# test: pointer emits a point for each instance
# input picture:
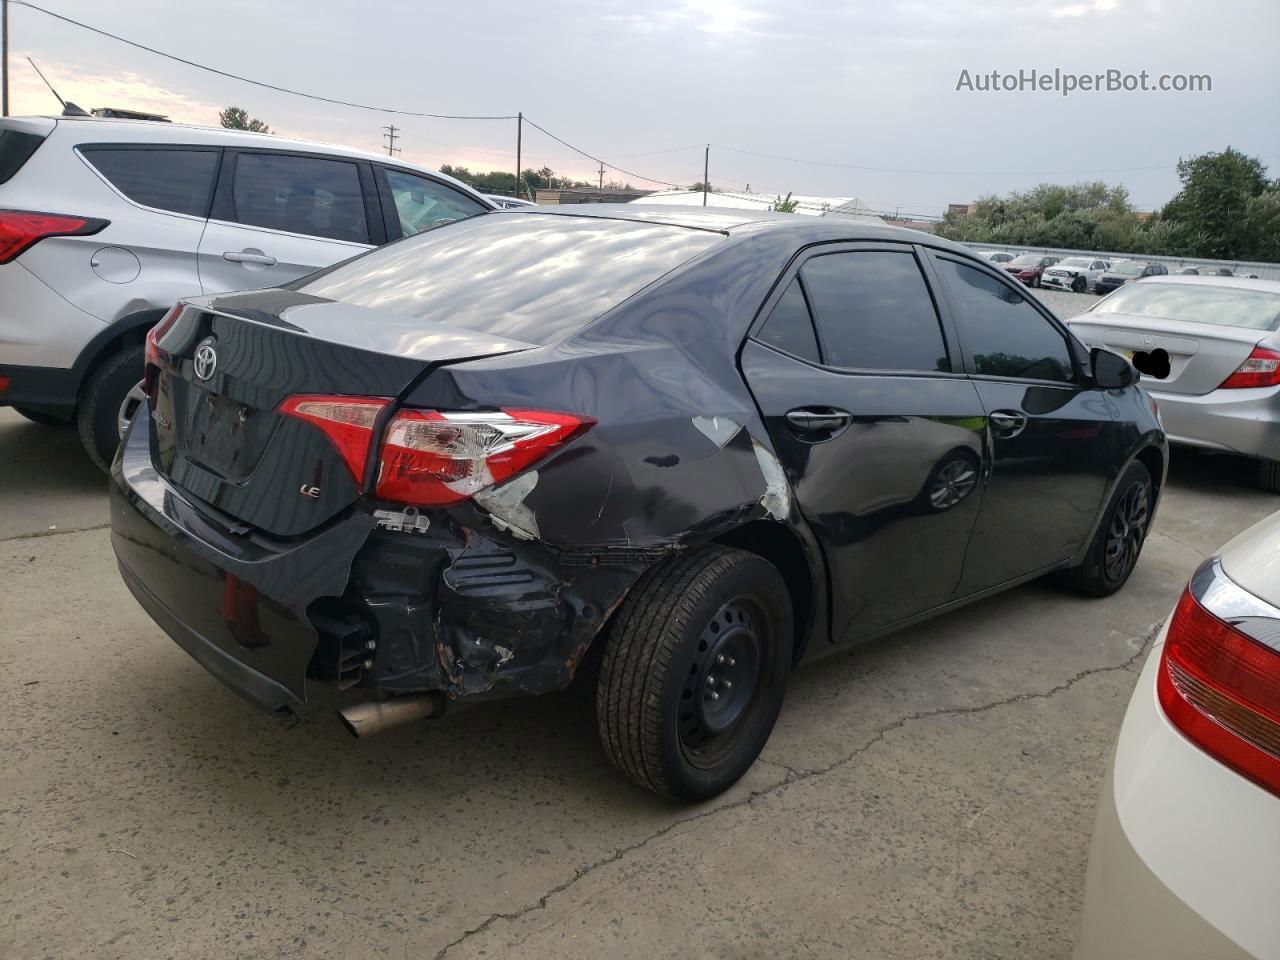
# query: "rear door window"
(421, 203)
(1003, 333)
(312, 196)
(179, 179)
(874, 312)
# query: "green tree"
(785, 206)
(237, 118)
(1214, 204)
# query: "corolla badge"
(206, 359)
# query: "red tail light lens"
(22, 229)
(434, 459)
(151, 352)
(347, 422)
(1221, 688)
(1261, 369)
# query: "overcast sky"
(863, 84)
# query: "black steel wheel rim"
(721, 688)
(1126, 532)
(954, 482)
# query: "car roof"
(111, 129)
(731, 221)
(1209, 280)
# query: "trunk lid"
(229, 362)
(1200, 356)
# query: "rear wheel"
(1119, 539)
(101, 400)
(695, 668)
(1269, 475)
(44, 419)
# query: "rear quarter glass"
(16, 148)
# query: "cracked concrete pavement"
(929, 794)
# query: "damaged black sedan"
(675, 451)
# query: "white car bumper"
(1185, 851)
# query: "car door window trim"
(831, 248)
(1078, 379)
(222, 210)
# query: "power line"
(593, 157)
(256, 83)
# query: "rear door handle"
(1007, 423)
(818, 420)
(244, 256)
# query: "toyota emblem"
(206, 359)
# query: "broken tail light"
(1219, 675)
(348, 422)
(433, 459)
(151, 352)
(22, 229)
(1260, 369)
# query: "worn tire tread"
(90, 413)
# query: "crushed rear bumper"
(456, 607)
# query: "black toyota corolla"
(676, 451)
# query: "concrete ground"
(929, 795)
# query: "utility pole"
(4, 58)
(519, 133)
(391, 137)
(601, 174)
(706, 167)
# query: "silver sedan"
(1209, 354)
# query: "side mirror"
(1110, 370)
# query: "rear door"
(277, 216)
(1053, 438)
(878, 428)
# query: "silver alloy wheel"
(129, 407)
(954, 482)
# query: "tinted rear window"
(179, 180)
(531, 277)
(16, 149)
(308, 195)
(1252, 309)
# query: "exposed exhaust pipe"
(366, 719)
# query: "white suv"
(1077, 274)
(105, 224)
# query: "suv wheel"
(695, 667)
(101, 398)
(1079, 285)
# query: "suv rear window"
(179, 179)
(16, 148)
(529, 276)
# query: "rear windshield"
(1129, 269)
(527, 276)
(16, 148)
(1252, 309)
